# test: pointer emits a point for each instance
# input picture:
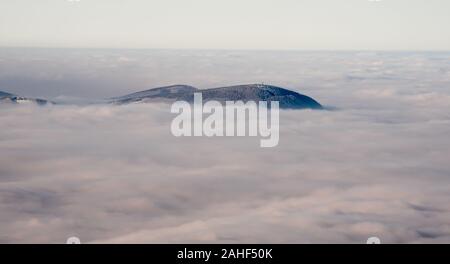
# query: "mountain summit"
(250, 92)
(12, 98)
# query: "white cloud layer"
(377, 165)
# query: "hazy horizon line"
(227, 49)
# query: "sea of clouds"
(376, 163)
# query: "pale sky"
(227, 24)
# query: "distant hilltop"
(249, 92)
(15, 99)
